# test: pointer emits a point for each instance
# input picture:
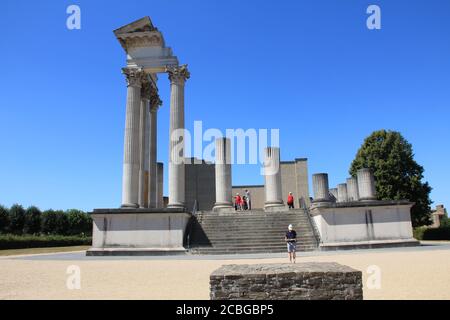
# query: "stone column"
(155, 103)
(272, 177)
(131, 158)
(145, 98)
(352, 189)
(366, 185)
(320, 186)
(223, 175)
(177, 77)
(342, 193)
(160, 185)
(334, 193)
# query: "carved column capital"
(155, 101)
(178, 74)
(134, 76)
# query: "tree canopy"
(398, 176)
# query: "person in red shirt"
(290, 201)
(238, 202)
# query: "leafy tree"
(49, 222)
(17, 219)
(32, 220)
(398, 176)
(79, 222)
(4, 219)
(62, 223)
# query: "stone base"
(223, 207)
(138, 231)
(135, 251)
(369, 244)
(302, 281)
(275, 206)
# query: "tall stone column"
(155, 103)
(352, 189)
(223, 175)
(177, 77)
(160, 185)
(366, 184)
(272, 177)
(143, 141)
(321, 188)
(131, 158)
(342, 192)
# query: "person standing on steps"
(290, 201)
(291, 240)
(238, 202)
(249, 199)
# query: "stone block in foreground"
(302, 281)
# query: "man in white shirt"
(249, 199)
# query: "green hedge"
(9, 241)
(418, 232)
(442, 233)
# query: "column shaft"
(223, 175)
(320, 186)
(342, 193)
(352, 189)
(131, 159)
(366, 185)
(152, 159)
(272, 177)
(177, 76)
(160, 185)
(142, 146)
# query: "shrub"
(4, 219)
(418, 232)
(442, 233)
(16, 219)
(32, 221)
(80, 223)
(32, 241)
(62, 223)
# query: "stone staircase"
(253, 231)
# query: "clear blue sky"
(310, 68)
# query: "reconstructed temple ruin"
(200, 199)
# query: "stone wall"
(303, 281)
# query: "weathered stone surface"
(303, 281)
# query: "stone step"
(247, 250)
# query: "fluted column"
(131, 159)
(321, 189)
(160, 185)
(352, 189)
(177, 77)
(155, 103)
(366, 184)
(272, 177)
(342, 193)
(223, 175)
(143, 141)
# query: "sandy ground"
(404, 275)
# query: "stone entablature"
(303, 281)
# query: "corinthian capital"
(134, 76)
(146, 90)
(178, 74)
(155, 101)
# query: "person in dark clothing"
(291, 240)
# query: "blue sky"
(310, 68)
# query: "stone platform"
(303, 281)
(138, 231)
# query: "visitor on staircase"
(291, 240)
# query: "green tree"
(79, 222)
(49, 222)
(16, 219)
(4, 219)
(62, 223)
(32, 220)
(398, 176)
